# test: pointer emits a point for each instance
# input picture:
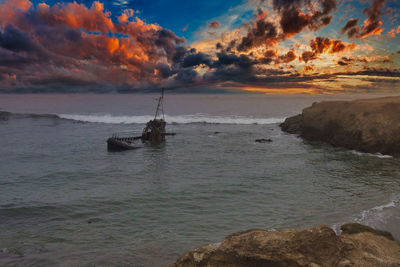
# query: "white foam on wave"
(378, 155)
(374, 216)
(180, 119)
(376, 213)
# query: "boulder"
(317, 246)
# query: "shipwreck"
(154, 133)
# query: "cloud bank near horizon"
(70, 47)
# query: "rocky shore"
(357, 245)
(367, 125)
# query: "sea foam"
(179, 119)
(376, 216)
(378, 155)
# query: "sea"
(67, 201)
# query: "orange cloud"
(370, 29)
(77, 16)
(372, 24)
(124, 18)
(9, 10)
(322, 45)
(392, 32)
(214, 25)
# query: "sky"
(267, 46)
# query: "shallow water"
(65, 200)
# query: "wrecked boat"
(118, 143)
(153, 133)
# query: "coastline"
(365, 125)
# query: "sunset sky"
(271, 46)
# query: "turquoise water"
(65, 200)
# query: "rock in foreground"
(368, 125)
(318, 246)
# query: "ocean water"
(66, 201)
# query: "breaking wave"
(381, 217)
(180, 119)
(378, 155)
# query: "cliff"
(367, 125)
(358, 245)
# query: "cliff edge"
(358, 245)
(367, 125)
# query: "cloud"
(260, 33)
(351, 28)
(322, 45)
(196, 59)
(297, 15)
(288, 57)
(372, 24)
(214, 25)
(72, 47)
(78, 40)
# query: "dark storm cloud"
(241, 61)
(196, 59)
(14, 40)
(350, 28)
(261, 32)
(293, 20)
(186, 76)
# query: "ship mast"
(160, 105)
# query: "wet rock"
(317, 246)
(4, 115)
(355, 228)
(94, 220)
(263, 140)
(293, 124)
(368, 125)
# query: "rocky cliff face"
(370, 125)
(358, 245)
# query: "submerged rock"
(368, 125)
(4, 115)
(317, 246)
(94, 220)
(263, 140)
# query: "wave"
(142, 119)
(378, 155)
(179, 119)
(380, 216)
(377, 213)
